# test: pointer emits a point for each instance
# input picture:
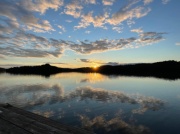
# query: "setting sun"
(95, 67)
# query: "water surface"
(103, 104)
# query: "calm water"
(104, 104)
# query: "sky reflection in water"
(97, 102)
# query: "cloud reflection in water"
(33, 95)
(116, 124)
(38, 95)
(108, 96)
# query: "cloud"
(96, 46)
(112, 63)
(85, 60)
(2, 57)
(41, 5)
(128, 13)
(146, 2)
(62, 28)
(98, 62)
(139, 30)
(91, 61)
(3, 38)
(88, 19)
(102, 45)
(108, 2)
(74, 9)
(89, 1)
(29, 45)
(117, 29)
(150, 37)
(9, 26)
(18, 19)
(11, 65)
(57, 63)
(21, 18)
(165, 1)
(36, 24)
(87, 32)
(178, 44)
(69, 21)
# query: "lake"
(101, 103)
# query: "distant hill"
(45, 70)
(165, 69)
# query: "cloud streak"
(128, 12)
(98, 62)
(138, 30)
(30, 45)
(108, 2)
(145, 38)
(178, 44)
(165, 1)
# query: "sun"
(95, 67)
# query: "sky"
(87, 33)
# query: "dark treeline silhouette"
(2, 70)
(45, 70)
(166, 69)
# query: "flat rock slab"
(14, 120)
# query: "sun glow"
(94, 67)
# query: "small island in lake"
(165, 69)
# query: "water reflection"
(31, 95)
(34, 95)
(96, 102)
(46, 114)
(113, 125)
(108, 96)
(94, 77)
